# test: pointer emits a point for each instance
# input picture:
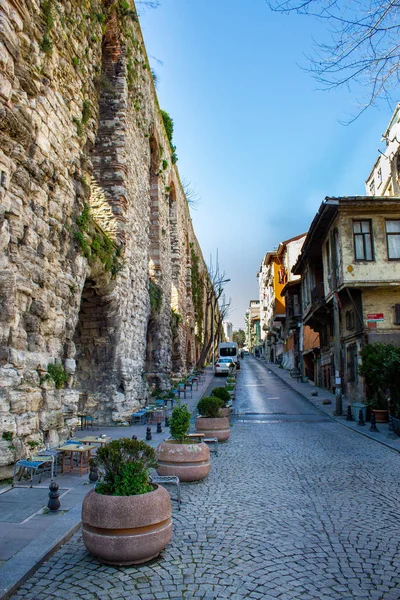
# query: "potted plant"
(379, 406)
(210, 422)
(221, 392)
(182, 456)
(125, 519)
(380, 367)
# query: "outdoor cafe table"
(67, 458)
(155, 415)
(93, 439)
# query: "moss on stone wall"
(95, 243)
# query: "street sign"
(375, 317)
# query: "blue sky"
(258, 141)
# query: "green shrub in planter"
(125, 465)
(179, 423)
(209, 406)
(221, 392)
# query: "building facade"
(350, 270)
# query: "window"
(397, 314)
(350, 324)
(393, 239)
(362, 240)
(352, 362)
(328, 256)
(379, 175)
(372, 188)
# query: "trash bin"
(355, 410)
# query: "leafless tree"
(147, 3)
(192, 195)
(214, 287)
(364, 48)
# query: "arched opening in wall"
(188, 354)
(95, 340)
(151, 348)
(154, 215)
(176, 362)
(174, 238)
(188, 268)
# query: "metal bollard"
(391, 435)
(349, 416)
(148, 434)
(54, 502)
(93, 474)
(159, 430)
(373, 423)
(361, 421)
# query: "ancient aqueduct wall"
(93, 223)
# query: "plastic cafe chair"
(90, 421)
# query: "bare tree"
(365, 46)
(192, 195)
(214, 287)
(148, 3)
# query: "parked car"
(223, 366)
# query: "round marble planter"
(189, 462)
(217, 427)
(126, 530)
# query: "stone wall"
(92, 217)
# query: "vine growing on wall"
(46, 44)
(197, 292)
(95, 243)
(169, 129)
(156, 296)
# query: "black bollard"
(148, 434)
(159, 430)
(349, 416)
(93, 474)
(391, 434)
(54, 502)
(361, 421)
(166, 424)
(373, 423)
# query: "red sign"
(375, 317)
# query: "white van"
(229, 350)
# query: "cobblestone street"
(290, 510)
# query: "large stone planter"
(189, 462)
(126, 530)
(217, 427)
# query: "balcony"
(318, 294)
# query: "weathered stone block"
(52, 399)
(49, 421)
(70, 365)
(9, 376)
(26, 423)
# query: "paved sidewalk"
(321, 401)
(30, 533)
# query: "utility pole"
(337, 354)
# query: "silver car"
(223, 366)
